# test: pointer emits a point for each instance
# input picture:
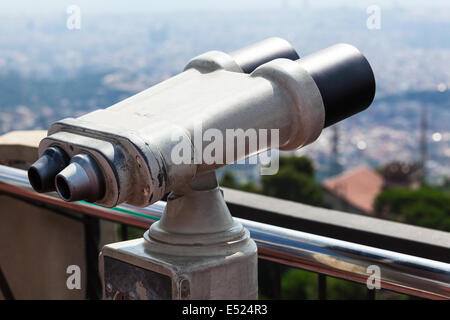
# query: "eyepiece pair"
(74, 179)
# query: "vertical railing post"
(371, 294)
(322, 286)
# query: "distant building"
(353, 191)
(398, 174)
(356, 190)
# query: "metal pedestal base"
(196, 251)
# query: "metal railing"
(324, 255)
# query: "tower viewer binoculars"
(125, 153)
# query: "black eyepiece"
(42, 173)
(344, 78)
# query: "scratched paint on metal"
(125, 281)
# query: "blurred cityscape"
(48, 72)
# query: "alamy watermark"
(373, 21)
(74, 279)
(222, 147)
(73, 21)
(374, 280)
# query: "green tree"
(300, 164)
(294, 181)
(427, 207)
(299, 285)
(229, 181)
(291, 184)
(303, 285)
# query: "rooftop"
(359, 187)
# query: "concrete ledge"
(20, 148)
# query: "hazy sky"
(144, 6)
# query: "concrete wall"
(36, 247)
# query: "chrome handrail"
(399, 272)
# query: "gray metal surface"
(125, 281)
(251, 57)
(80, 180)
(399, 272)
